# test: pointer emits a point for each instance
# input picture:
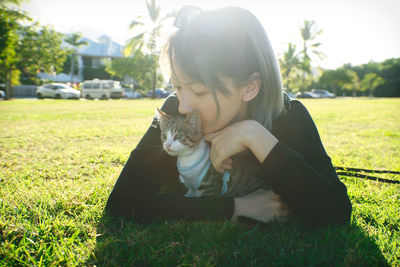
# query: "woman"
(223, 66)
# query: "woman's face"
(194, 96)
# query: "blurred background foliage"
(27, 48)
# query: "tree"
(40, 49)
(150, 29)
(74, 41)
(9, 25)
(354, 84)
(342, 78)
(100, 72)
(15, 2)
(309, 33)
(370, 82)
(140, 68)
(390, 71)
(290, 64)
(67, 65)
(26, 49)
(334, 79)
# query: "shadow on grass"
(170, 243)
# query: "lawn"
(59, 160)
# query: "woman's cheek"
(205, 127)
(211, 127)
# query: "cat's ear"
(193, 119)
(161, 114)
(162, 117)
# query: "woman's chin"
(207, 130)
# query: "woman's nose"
(185, 105)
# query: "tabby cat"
(183, 137)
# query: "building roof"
(104, 47)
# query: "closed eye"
(200, 94)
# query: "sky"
(354, 31)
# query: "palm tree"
(289, 62)
(309, 33)
(150, 29)
(73, 40)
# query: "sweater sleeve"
(137, 192)
(299, 170)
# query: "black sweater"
(298, 169)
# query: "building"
(91, 55)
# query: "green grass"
(59, 161)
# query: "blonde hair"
(229, 42)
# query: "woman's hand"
(247, 134)
(261, 205)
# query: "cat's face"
(180, 135)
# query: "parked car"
(291, 95)
(160, 93)
(102, 89)
(320, 93)
(57, 90)
(2, 91)
(128, 93)
(305, 94)
(315, 93)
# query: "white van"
(102, 89)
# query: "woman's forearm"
(259, 140)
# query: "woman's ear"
(250, 91)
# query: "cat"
(182, 137)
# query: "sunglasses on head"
(185, 16)
(209, 27)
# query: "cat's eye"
(178, 136)
(163, 136)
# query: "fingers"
(228, 161)
(227, 164)
(209, 137)
(226, 167)
(217, 159)
(219, 169)
(223, 167)
(222, 147)
(262, 205)
(218, 155)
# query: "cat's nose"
(168, 146)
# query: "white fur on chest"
(192, 168)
